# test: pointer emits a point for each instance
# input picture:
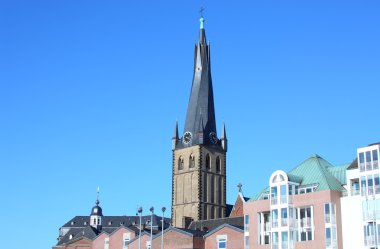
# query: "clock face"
(187, 137)
(213, 137)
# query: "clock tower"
(199, 155)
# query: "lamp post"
(162, 227)
(140, 212)
(151, 226)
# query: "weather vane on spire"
(202, 10)
(97, 195)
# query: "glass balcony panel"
(284, 199)
(375, 164)
(362, 167)
(284, 222)
(284, 245)
(368, 166)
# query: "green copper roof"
(339, 172)
(316, 170)
(202, 20)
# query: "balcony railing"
(275, 245)
(273, 200)
(283, 199)
(370, 240)
(371, 215)
(284, 245)
(274, 223)
(305, 222)
(284, 222)
(375, 164)
(355, 191)
(368, 166)
(362, 167)
(267, 226)
(330, 219)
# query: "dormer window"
(109, 223)
(71, 236)
(73, 222)
(85, 223)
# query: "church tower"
(199, 156)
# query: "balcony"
(283, 199)
(371, 215)
(362, 167)
(368, 166)
(274, 200)
(370, 240)
(305, 222)
(284, 222)
(275, 245)
(331, 244)
(330, 219)
(267, 227)
(284, 245)
(375, 164)
(274, 223)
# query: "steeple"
(200, 110)
(96, 213)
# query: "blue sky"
(90, 92)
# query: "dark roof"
(229, 208)
(200, 115)
(208, 225)
(354, 164)
(189, 232)
(236, 228)
(77, 233)
(116, 221)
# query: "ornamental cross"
(239, 186)
(201, 11)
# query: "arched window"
(217, 166)
(191, 161)
(208, 162)
(180, 163)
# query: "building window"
(246, 242)
(284, 240)
(368, 165)
(275, 218)
(246, 223)
(180, 163)
(375, 159)
(283, 197)
(305, 223)
(148, 244)
(284, 217)
(361, 162)
(106, 243)
(246, 231)
(273, 194)
(275, 240)
(208, 162)
(217, 164)
(222, 241)
(126, 239)
(191, 161)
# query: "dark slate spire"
(223, 138)
(175, 136)
(200, 115)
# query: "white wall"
(352, 222)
